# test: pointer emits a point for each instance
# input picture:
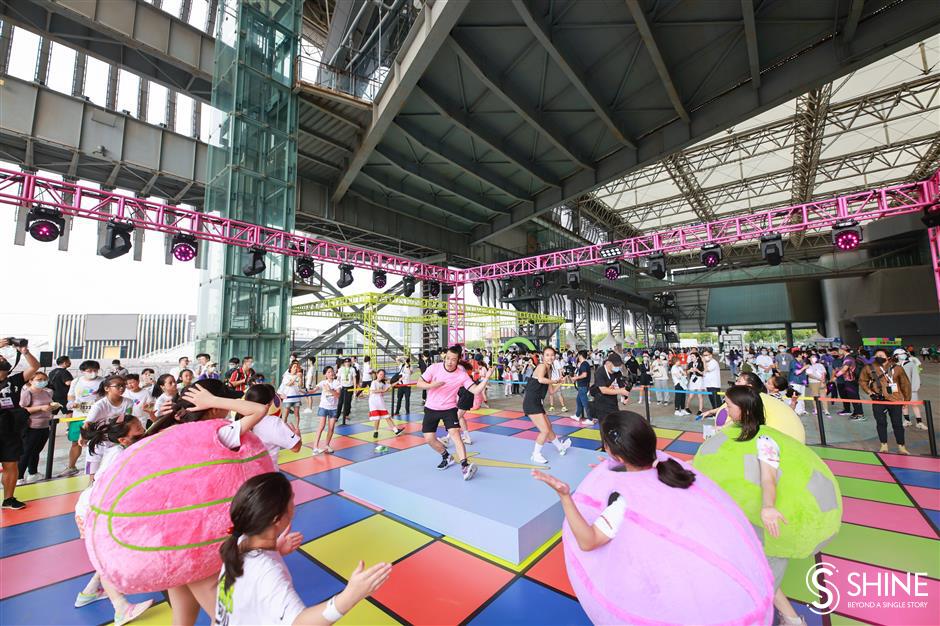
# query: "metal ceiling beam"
(750, 34)
(476, 62)
(684, 176)
(812, 109)
(319, 161)
(424, 199)
(649, 40)
(325, 139)
(475, 169)
(426, 174)
(542, 32)
(331, 113)
(929, 162)
(428, 33)
(440, 202)
(851, 22)
(450, 111)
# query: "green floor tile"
(794, 581)
(842, 620)
(855, 456)
(887, 549)
(873, 490)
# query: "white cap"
(899, 351)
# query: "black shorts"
(532, 407)
(432, 418)
(11, 447)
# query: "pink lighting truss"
(30, 190)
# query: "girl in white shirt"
(329, 389)
(377, 410)
(292, 385)
(255, 586)
(112, 405)
(164, 391)
(274, 433)
(555, 390)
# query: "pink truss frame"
(26, 189)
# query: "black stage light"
(506, 288)
(117, 240)
(304, 268)
(656, 265)
(345, 276)
(612, 271)
(379, 279)
(479, 288)
(538, 281)
(433, 288)
(931, 217)
(710, 255)
(184, 247)
(574, 278)
(846, 235)
(771, 248)
(253, 262)
(408, 286)
(44, 224)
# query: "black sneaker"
(13, 503)
(444, 464)
(857, 418)
(375, 435)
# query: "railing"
(316, 72)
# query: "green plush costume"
(808, 495)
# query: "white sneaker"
(465, 437)
(677, 413)
(587, 422)
(21, 481)
(468, 471)
(31, 478)
(329, 449)
(317, 451)
(907, 422)
(444, 441)
(573, 417)
(564, 447)
(920, 426)
(538, 458)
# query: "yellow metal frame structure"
(365, 309)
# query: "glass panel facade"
(252, 177)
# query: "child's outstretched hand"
(558, 485)
(287, 541)
(364, 582)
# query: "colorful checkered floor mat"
(892, 516)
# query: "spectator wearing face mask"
(911, 366)
(36, 399)
(765, 365)
(845, 374)
(659, 370)
(783, 361)
(711, 372)
(816, 377)
(885, 380)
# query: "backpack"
(849, 375)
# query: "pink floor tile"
(681, 455)
(859, 470)
(911, 462)
(567, 421)
(42, 567)
(471, 425)
(875, 608)
(902, 519)
(305, 492)
(925, 497)
(527, 434)
(521, 424)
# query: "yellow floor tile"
(384, 433)
(587, 433)
(56, 487)
(286, 456)
(667, 433)
(375, 539)
(499, 561)
(367, 614)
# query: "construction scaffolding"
(365, 309)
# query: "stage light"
(771, 248)
(433, 288)
(931, 217)
(345, 276)
(846, 235)
(408, 286)
(479, 288)
(184, 247)
(304, 268)
(253, 262)
(710, 255)
(538, 281)
(447, 289)
(117, 240)
(379, 279)
(574, 278)
(656, 265)
(44, 224)
(506, 288)
(611, 251)
(612, 271)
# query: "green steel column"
(252, 177)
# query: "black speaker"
(45, 359)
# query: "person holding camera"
(13, 419)
(885, 380)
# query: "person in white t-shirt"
(712, 376)
(365, 374)
(255, 585)
(765, 365)
(112, 405)
(403, 388)
(140, 397)
(377, 410)
(329, 389)
(292, 387)
(164, 390)
(274, 433)
(310, 379)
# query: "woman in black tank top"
(535, 390)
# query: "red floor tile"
(509, 414)
(314, 465)
(681, 455)
(859, 470)
(471, 425)
(925, 496)
(40, 509)
(305, 492)
(527, 434)
(904, 519)
(521, 424)
(338, 442)
(911, 462)
(413, 427)
(42, 567)
(662, 443)
(402, 442)
(368, 505)
(550, 570)
(455, 583)
(692, 436)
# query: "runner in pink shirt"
(443, 382)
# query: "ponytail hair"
(111, 431)
(158, 387)
(258, 504)
(629, 437)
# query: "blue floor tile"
(53, 605)
(324, 515)
(416, 526)
(362, 453)
(587, 444)
(525, 602)
(500, 430)
(313, 583)
(687, 447)
(917, 478)
(488, 419)
(39, 534)
(352, 429)
(934, 517)
(329, 479)
(564, 430)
